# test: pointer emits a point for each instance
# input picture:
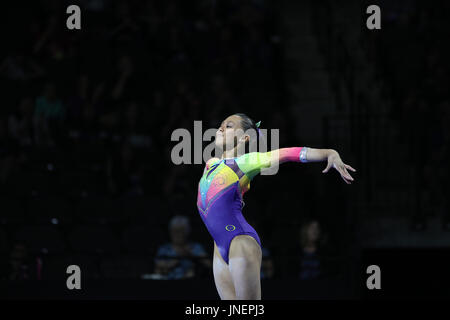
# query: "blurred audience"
(90, 114)
(180, 258)
(417, 78)
(137, 73)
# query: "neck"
(229, 154)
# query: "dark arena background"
(87, 115)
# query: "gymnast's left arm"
(252, 163)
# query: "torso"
(217, 177)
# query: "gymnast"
(237, 247)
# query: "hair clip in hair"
(257, 127)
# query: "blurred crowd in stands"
(411, 59)
(85, 171)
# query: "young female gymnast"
(237, 247)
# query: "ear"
(245, 138)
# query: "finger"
(348, 174)
(347, 178)
(344, 171)
(346, 181)
(350, 167)
(349, 181)
(341, 170)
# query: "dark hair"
(248, 123)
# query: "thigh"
(222, 277)
(245, 267)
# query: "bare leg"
(245, 267)
(222, 277)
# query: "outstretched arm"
(252, 163)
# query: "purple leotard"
(221, 190)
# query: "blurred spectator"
(124, 172)
(48, 105)
(267, 267)
(20, 68)
(312, 242)
(49, 113)
(22, 266)
(177, 259)
(8, 152)
(20, 123)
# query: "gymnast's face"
(230, 133)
